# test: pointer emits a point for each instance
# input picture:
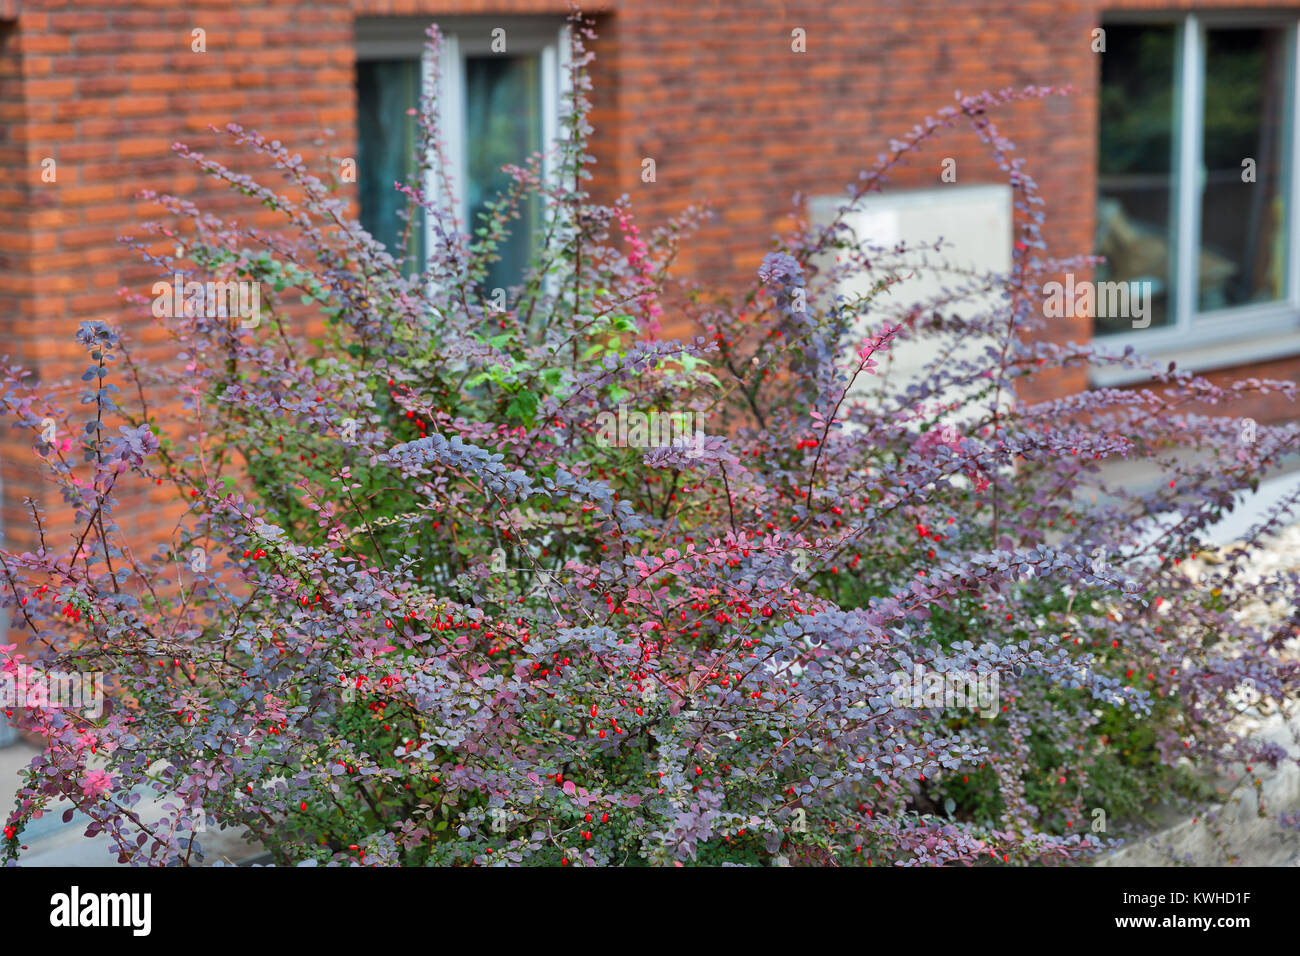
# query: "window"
(498, 105)
(386, 90)
(1196, 184)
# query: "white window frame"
(391, 38)
(1249, 333)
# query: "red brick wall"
(709, 88)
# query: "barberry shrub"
(443, 591)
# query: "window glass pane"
(1136, 192)
(1243, 251)
(387, 90)
(503, 126)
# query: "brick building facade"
(710, 89)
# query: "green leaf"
(523, 405)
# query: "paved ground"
(52, 842)
(1236, 832)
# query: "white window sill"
(1204, 358)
